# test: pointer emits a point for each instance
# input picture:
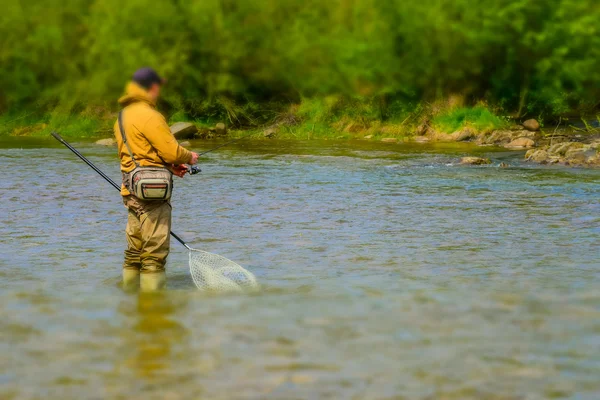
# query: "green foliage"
(245, 61)
(479, 118)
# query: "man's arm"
(160, 137)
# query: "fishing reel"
(193, 170)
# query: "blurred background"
(63, 63)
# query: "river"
(387, 271)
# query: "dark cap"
(146, 77)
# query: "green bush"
(246, 61)
(478, 118)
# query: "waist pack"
(146, 183)
(149, 183)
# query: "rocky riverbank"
(578, 154)
(557, 147)
(565, 147)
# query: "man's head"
(150, 80)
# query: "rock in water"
(183, 130)
(185, 144)
(464, 134)
(520, 143)
(538, 156)
(531, 125)
(475, 161)
(576, 156)
(497, 137)
(220, 129)
(389, 140)
(107, 142)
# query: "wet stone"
(106, 142)
(475, 161)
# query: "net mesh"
(212, 272)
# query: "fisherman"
(145, 140)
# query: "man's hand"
(179, 170)
(194, 159)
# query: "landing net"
(212, 272)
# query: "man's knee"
(154, 259)
(132, 260)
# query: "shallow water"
(388, 272)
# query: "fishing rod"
(106, 177)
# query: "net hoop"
(215, 273)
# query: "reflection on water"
(156, 342)
(388, 271)
(153, 334)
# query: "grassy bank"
(328, 117)
(331, 117)
(69, 125)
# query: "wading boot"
(153, 281)
(131, 279)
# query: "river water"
(387, 272)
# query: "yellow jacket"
(148, 134)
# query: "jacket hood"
(134, 93)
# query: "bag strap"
(125, 138)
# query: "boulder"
(555, 160)
(389, 140)
(475, 161)
(576, 156)
(421, 139)
(531, 125)
(183, 130)
(560, 149)
(368, 137)
(463, 135)
(520, 143)
(107, 142)
(538, 156)
(185, 144)
(529, 153)
(220, 129)
(270, 133)
(523, 133)
(580, 155)
(594, 160)
(498, 137)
